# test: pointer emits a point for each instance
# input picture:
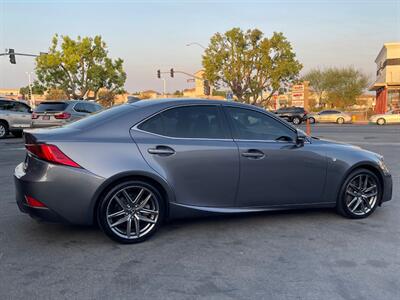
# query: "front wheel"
(340, 121)
(296, 120)
(131, 212)
(360, 194)
(381, 121)
(3, 130)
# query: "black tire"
(381, 121)
(340, 120)
(296, 121)
(18, 133)
(104, 204)
(3, 129)
(312, 120)
(342, 207)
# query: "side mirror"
(301, 138)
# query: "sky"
(152, 35)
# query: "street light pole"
(30, 90)
(197, 44)
(165, 87)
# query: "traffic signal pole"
(11, 53)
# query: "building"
(387, 83)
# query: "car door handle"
(161, 150)
(253, 153)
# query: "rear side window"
(187, 122)
(51, 106)
(19, 107)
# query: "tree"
(178, 93)
(80, 68)
(340, 86)
(251, 66)
(56, 94)
(37, 89)
(106, 98)
(344, 86)
(317, 82)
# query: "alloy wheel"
(3, 131)
(340, 121)
(132, 212)
(296, 121)
(361, 194)
(381, 121)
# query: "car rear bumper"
(68, 193)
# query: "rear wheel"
(340, 120)
(381, 121)
(360, 194)
(296, 120)
(131, 212)
(3, 129)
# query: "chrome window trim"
(135, 127)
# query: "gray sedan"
(330, 116)
(133, 166)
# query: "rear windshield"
(100, 117)
(51, 106)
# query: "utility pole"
(31, 97)
(165, 87)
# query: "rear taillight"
(33, 202)
(51, 153)
(34, 116)
(62, 116)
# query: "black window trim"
(266, 114)
(218, 106)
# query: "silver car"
(15, 116)
(57, 113)
(391, 117)
(131, 167)
(330, 116)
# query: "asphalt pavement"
(308, 254)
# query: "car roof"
(68, 101)
(189, 101)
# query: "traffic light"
(171, 72)
(12, 56)
(158, 73)
(206, 87)
(29, 94)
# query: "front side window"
(187, 122)
(253, 125)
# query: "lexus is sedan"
(131, 167)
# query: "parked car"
(293, 114)
(130, 167)
(391, 117)
(56, 113)
(15, 116)
(329, 116)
